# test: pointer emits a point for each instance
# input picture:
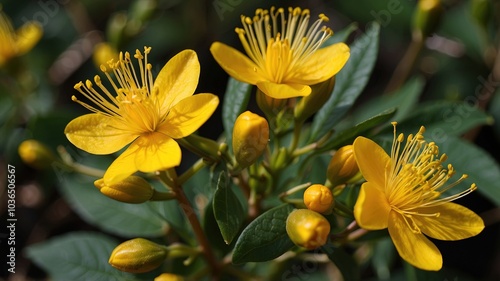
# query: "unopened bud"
(307, 106)
(131, 190)
(169, 277)
(307, 228)
(36, 154)
(103, 53)
(250, 138)
(138, 256)
(319, 198)
(343, 166)
(427, 17)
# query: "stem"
(406, 64)
(296, 136)
(197, 166)
(197, 229)
(86, 170)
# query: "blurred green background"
(455, 63)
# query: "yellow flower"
(148, 114)
(16, 43)
(403, 193)
(284, 55)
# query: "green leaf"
(347, 136)
(77, 256)
(227, 209)
(384, 254)
(404, 100)
(443, 119)
(341, 36)
(345, 262)
(235, 101)
(482, 169)
(265, 238)
(350, 82)
(127, 220)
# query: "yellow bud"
(343, 166)
(250, 138)
(137, 256)
(319, 198)
(307, 228)
(307, 106)
(36, 154)
(131, 190)
(427, 17)
(169, 277)
(103, 53)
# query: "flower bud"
(36, 154)
(250, 137)
(343, 166)
(138, 256)
(307, 228)
(307, 106)
(103, 53)
(427, 17)
(131, 190)
(319, 198)
(169, 277)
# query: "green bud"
(36, 154)
(138, 256)
(133, 190)
(250, 138)
(309, 105)
(270, 106)
(427, 17)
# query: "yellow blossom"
(19, 42)
(403, 193)
(147, 114)
(284, 55)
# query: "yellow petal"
(372, 160)
(236, 64)
(188, 115)
(372, 209)
(322, 64)
(413, 247)
(178, 79)
(283, 91)
(149, 153)
(27, 36)
(97, 134)
(454, 222)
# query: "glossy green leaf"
(265, 238)
(345, 262)
(350, 82)
(127, 220)
(404, 100)
(347, 136)
(235, 101)
(77, 256)
(482, 169)
(227, 209)
(442, 119)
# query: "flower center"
(134, 106)
(278, 46)
(417, 178)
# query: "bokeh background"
(454, 63)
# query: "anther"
(78, 85)
(88, 83)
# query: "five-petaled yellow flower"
(284, 55)
(403, 193)
(16, 43)
(148, 114)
